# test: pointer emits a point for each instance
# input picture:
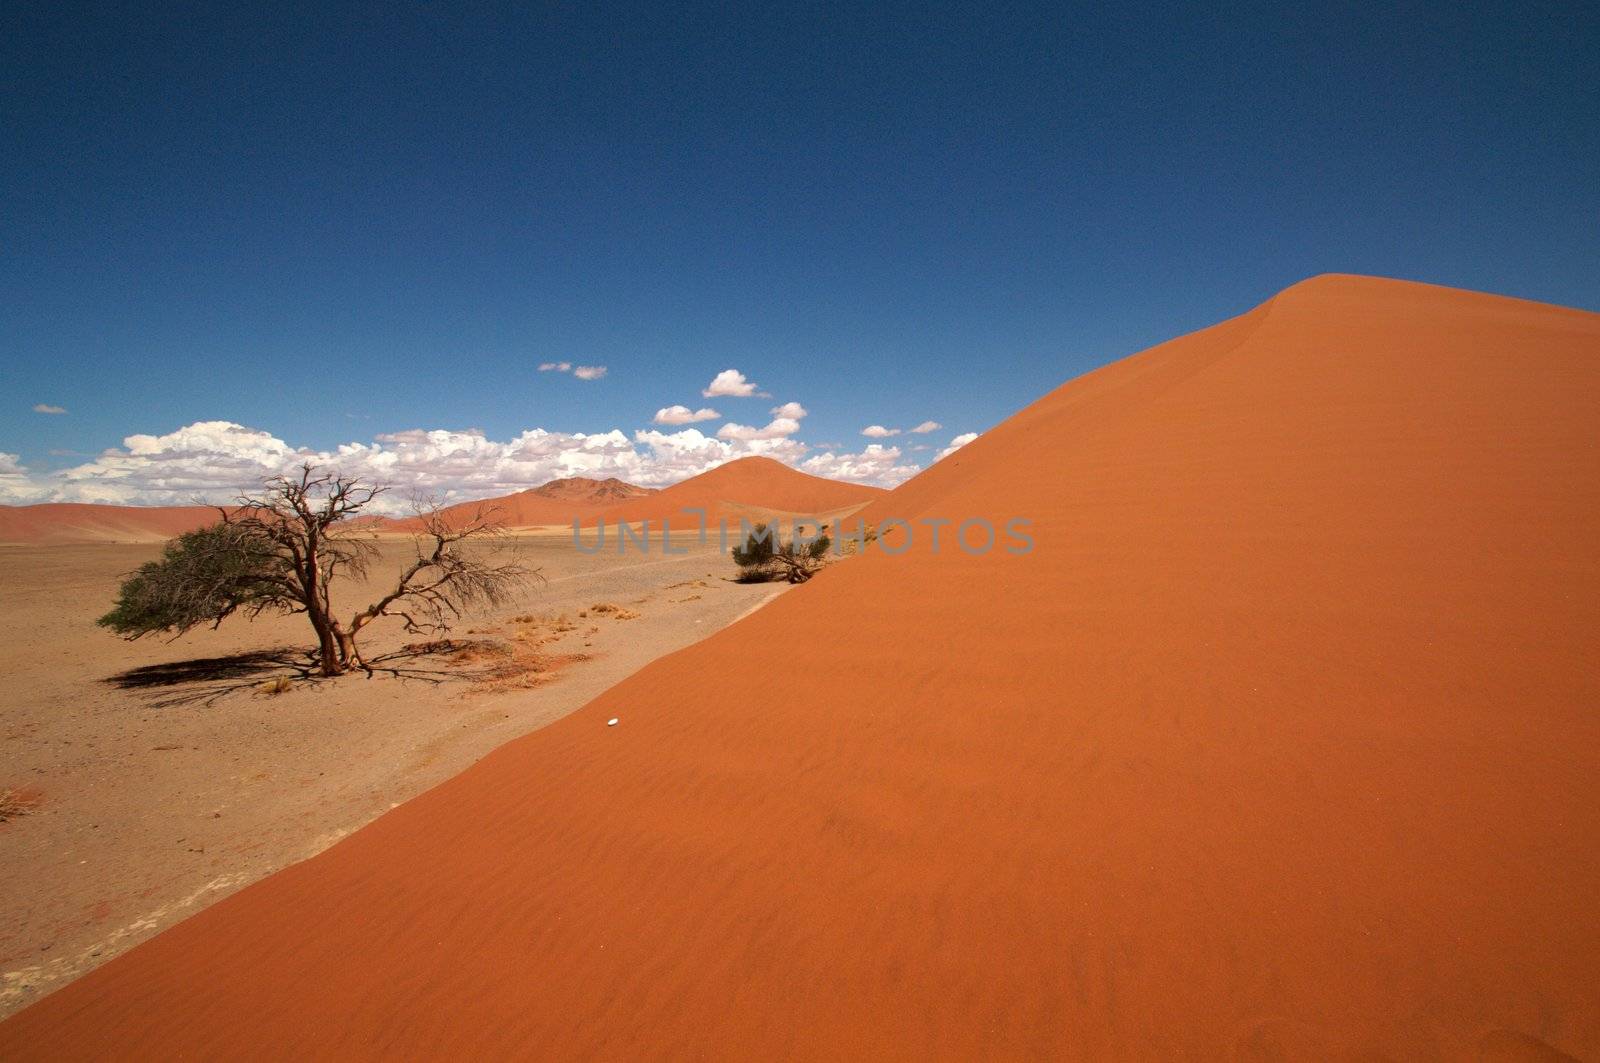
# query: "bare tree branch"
(282, 550)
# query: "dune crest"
(1282, 740)
(743, 484)
(557, 502)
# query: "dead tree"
(283, 551)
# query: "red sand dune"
(557, 502)
(63, 522)
(758, 483)
(1282, 741)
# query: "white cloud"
(731, 382)
(582, 372)
(792, 410)
(45, 407)
(684, 415)
(213, 461)
(877, 464)
(15, 485)
(957, 443)
(927, 426)
(779, 428)
(877, 431)
(676, 455)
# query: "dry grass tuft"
(603, 608)
(435, 646)
(538, 630)
(14, 803)
(479, 652)
(493, 665)
(524, 671)
(276, 685)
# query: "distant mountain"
(583, 489)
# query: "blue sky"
(331, 223)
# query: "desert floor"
(159, 776)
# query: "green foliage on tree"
(202, 577)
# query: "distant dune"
(748, 483)
(557, 502)
(745, 485)
(1282, 741)
(64, 522)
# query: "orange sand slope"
(1283, 740)
(60, 522)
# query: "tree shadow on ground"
(206, 680)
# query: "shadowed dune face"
(1281, 741)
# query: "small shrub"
(762, 558)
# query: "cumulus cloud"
(45, 407)
(555, 367)
(684, 415)
(213, 461)
(785, 422)
(676, 455)
(778, 428)
(877, 431)
(878, 464)
(15, 486)
(927, 426)
(733, 383)
(957, 443)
